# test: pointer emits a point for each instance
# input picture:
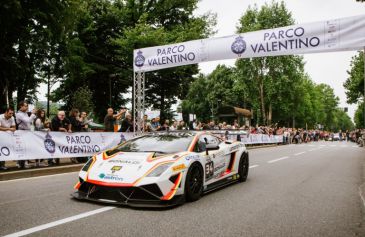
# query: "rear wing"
(234, 135)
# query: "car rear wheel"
(194, 182)
(243, 167)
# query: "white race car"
(163, 169)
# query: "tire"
(243, 168)
(194, 182)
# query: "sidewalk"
(14, 172)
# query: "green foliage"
(275, 88)
(354, 85)
(359, 116)
(82, 100)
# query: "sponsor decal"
(220, 166)
(178, 167)
(127, 162)
(4, 151)
(116, 168)
(192, 157)
(49, 144)
(235, 147)
(112, 177)
(238, 46)
(139, 59)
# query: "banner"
(26, 145)
(248, 139)
(327, 36)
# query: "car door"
(216, 160)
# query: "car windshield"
(160, 143)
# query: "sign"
(327, 36)
(27, 145)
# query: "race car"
(163, 169)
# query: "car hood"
(126, 167)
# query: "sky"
(329, 68)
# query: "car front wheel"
(194, 182)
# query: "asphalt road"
(295, 190)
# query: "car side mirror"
(210, 147)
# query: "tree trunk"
(162, 106)
(269, 117)
(262, 102)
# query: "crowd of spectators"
(36, 121)
(77, 121)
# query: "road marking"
(253, 166)
(38, 177)
(300, 153)
(322, 145)
(332, 145)
(279, 159)
(313, 149)
(354, 146)
(311, 145)
(59, 222)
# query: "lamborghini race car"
(163, 169)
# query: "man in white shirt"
(24, 122)
(7, 123)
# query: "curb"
(39, 172)
(263, 146)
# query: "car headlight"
(87, 165)
(159, 170)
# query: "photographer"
(111, 118)
(24, 122)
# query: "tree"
(82, 100)
(359, 117)
(354, 85)
(27, 28)
(270, 80)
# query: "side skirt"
(221, 183)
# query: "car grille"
(149, 192)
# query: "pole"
(48, 91)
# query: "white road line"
(279, 159)
(253, 166)
(354, 146)
(332, 145)
(38, 177)
(300, 153)
(59, 222)
(311, 145)
(312, 149)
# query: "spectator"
(84, 122)
(127, 125)
(24, 122)
(173, 127)
(40, 124)
(60, 124)
(75, 120)
(155, 124)
(165, 126)
(111, 118)
(7, 123)
(181, 125)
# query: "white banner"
(26, 145)
(326, 36)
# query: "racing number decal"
(209, 170)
